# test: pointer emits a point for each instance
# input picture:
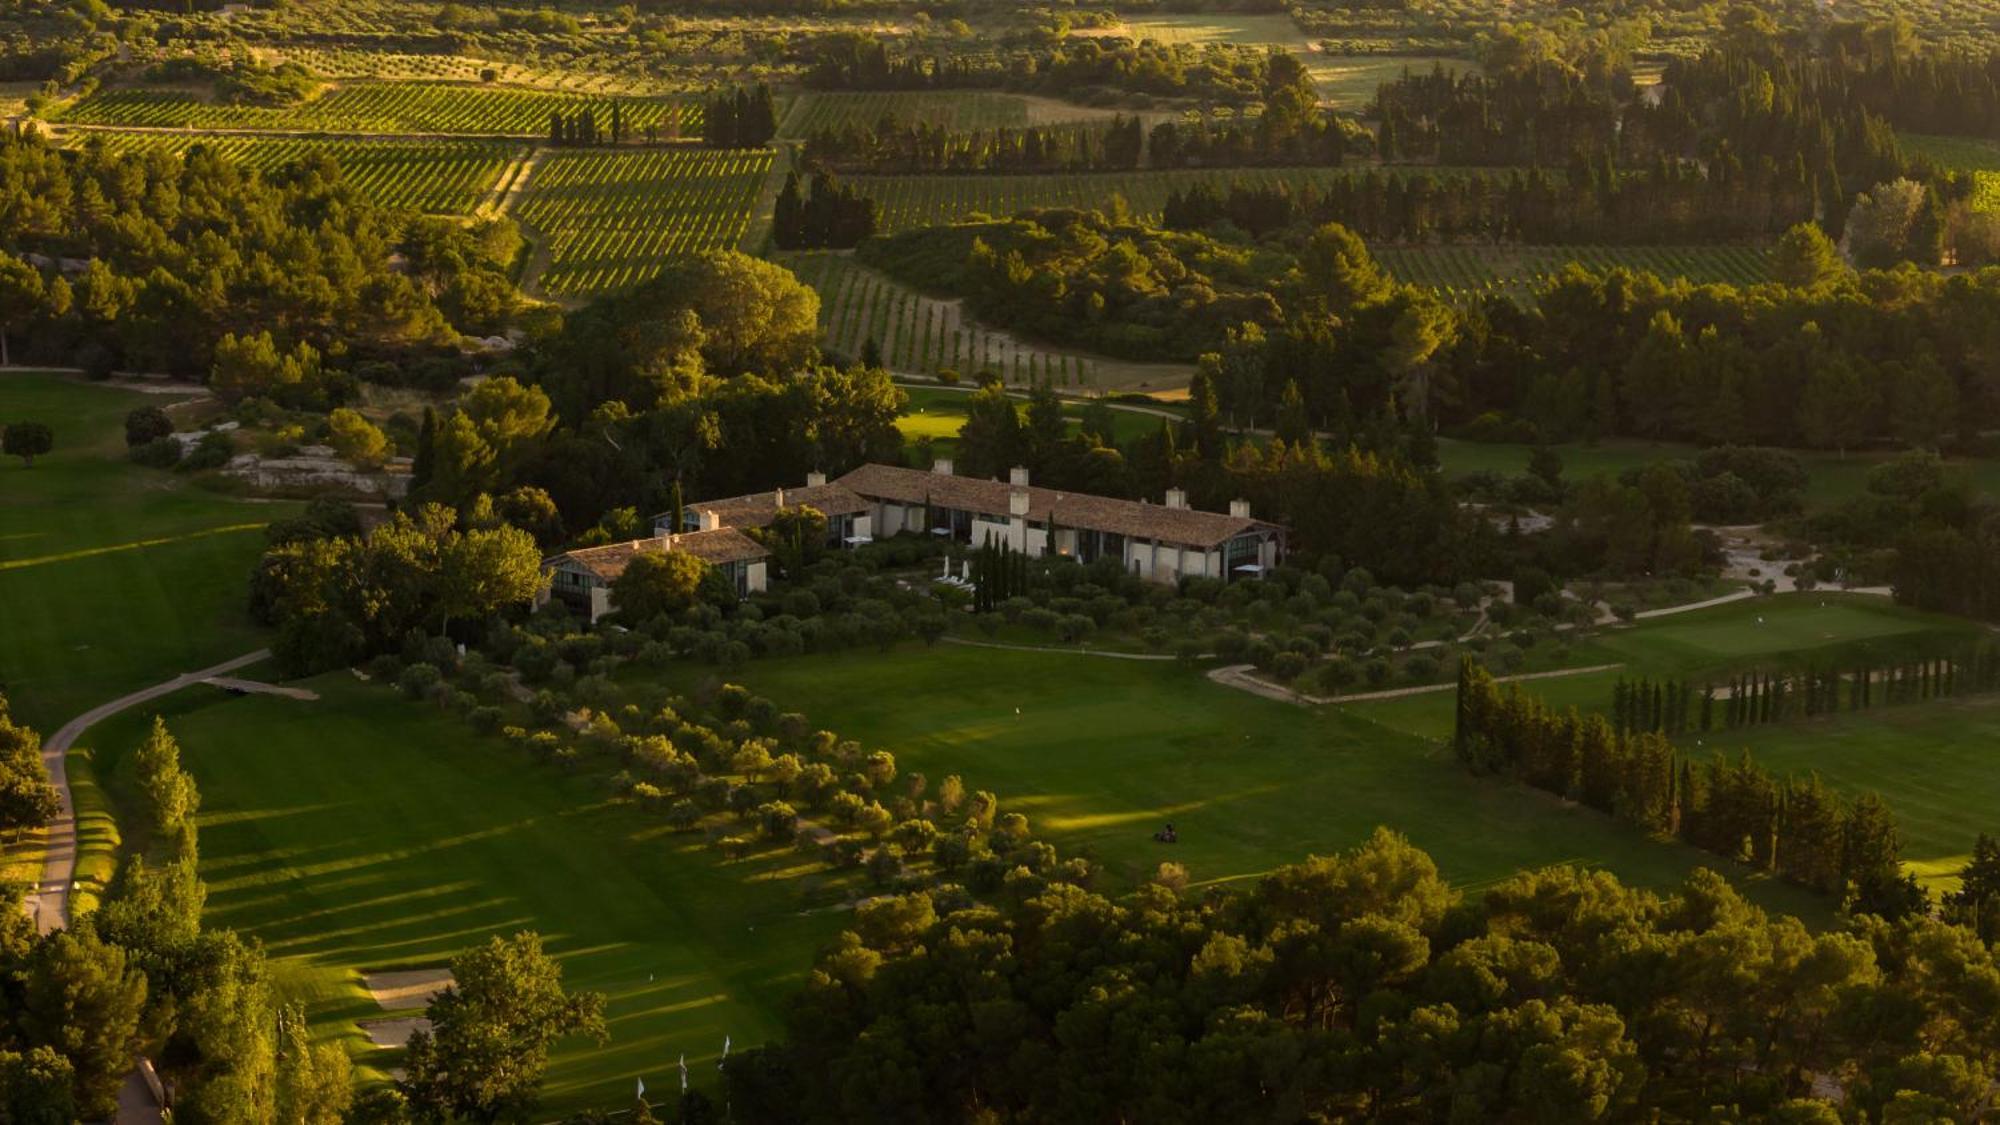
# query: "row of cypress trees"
(1792, 827)
(1673, 707)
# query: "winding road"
(48, 904)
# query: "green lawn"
(1832, 478)
(1787, 630)
(1934, 763)
(1937, 765)
(938, 413)
(1099, 753)
(112, 576)
(363, 831)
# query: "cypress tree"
(425, 461)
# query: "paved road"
(49, 904)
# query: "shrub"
(417, 680)
(1074, 627)
(1420, 669)
(1289, 666)
(485, 720)
(161, 453)
(146, 425)
(1377, 671)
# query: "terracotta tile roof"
(1134, 519)
(758, 508)
(717, 547)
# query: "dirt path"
(48, 903)
(763, 213)
(513, 183)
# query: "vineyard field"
(1473, 272)
(924, 335)
(385, 107)
(610, 219)
(440, 177)
(919, 334)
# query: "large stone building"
(1161, 542)
(582, 578)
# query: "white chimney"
(1017, 503)
(941, 466)
(708, 519)
(1176, 498)
(815, 480)
(778, 496)
(1240, 509)
(1018, 476)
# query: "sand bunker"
(394, 1033)
(411, 988)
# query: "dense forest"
(147, 261)
(1362, 986)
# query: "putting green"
(362, 831)
(113, 576)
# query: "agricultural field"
(360, 831)
(610, 219)
(1349, 82)
(1470, 273)
(350, 62)
(952, 109)
(1831, 478)
(919, 334)
(385, 107)
(442, 177)
(113, 576)
(1098, 753)
(922, 201)
(1971, 154)
(1201, 28)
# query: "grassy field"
(1516, 272)
(113, 576)
(1786, 630)
(1350, 81)
(1933, 763)
(1831, 477)
(385, 107)
(938, 413)
(612, 219)
(443, 177)
(1098, 753)
(362, 831)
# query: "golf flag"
(684, 1072)
(719, 1063)
(642, 1090)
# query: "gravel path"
(48, 904)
